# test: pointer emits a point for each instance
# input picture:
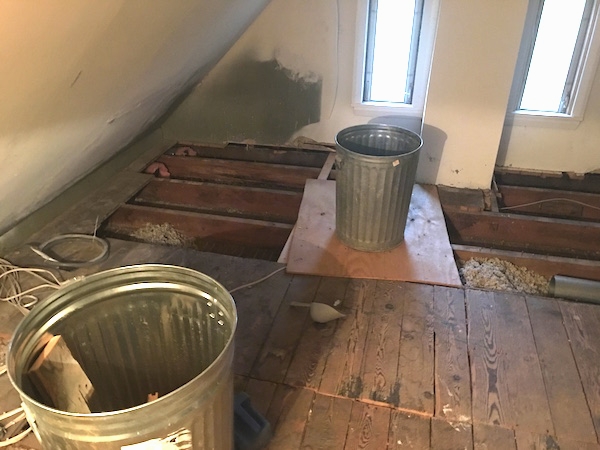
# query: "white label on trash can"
(180, 440)
(395, 163)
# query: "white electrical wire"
(247, 285)
(41, 250)
(19, 420)
(10, 284)
(11, 291)
(558, 199)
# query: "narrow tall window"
(554, 55)
(392, 46)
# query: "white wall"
(475, 54)
(81, 79)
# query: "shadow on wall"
(258, 100)
(408, 123)
(434, 140)
(432, 151)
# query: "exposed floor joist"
(533, 224)
(237, 199)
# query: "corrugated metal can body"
(136, 331)
(377, 165)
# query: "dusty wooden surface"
(409, 366)
(424, 256)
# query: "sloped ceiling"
(80, 80)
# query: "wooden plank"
(380, 362)
(308, 363)
(558, 237)
(342, 372)
(240, 172)
(328, 423)
(261, 394)
(196, 226)
(288, 414)
(507, 384)
(424, 256)
(452, 375)
(493, 437)
(450, 436)
(150, 148)
(323, 175)
(332, 291)
(360, 295)
(409, 431)
(582, 322)
(278, 350)
(540, 441)
(368, 427)
(461, 199)
(87, 215)
(240, 201)
(415, 365)
(276, 154)
(543, 202)
(570, 412)
(327, 166)
(58, 377)
(239, 383)
(547, 266)
(549, 180)
(256, 308)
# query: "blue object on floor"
(250, 429)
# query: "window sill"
(542, 120)
(373, 109)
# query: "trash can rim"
(353, 149)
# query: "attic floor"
(410, 366)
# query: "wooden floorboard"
(538, 441)
(490, 437)
(415, 366)
(568, 406)
(368, 427)
(507, 383)
(342, 372)
(450, 436)
(452, 375)
(409, 431)
(582, 322)
(327, 425)
(379, 374)
(288, 413)
(286, 332)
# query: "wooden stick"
(58, 376)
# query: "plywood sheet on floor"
(424, 256)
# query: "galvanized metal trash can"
(156, 343)
(377, 165)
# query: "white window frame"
(582, 84)
(426, 42)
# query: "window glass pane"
(552, 55)
(392, 50)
